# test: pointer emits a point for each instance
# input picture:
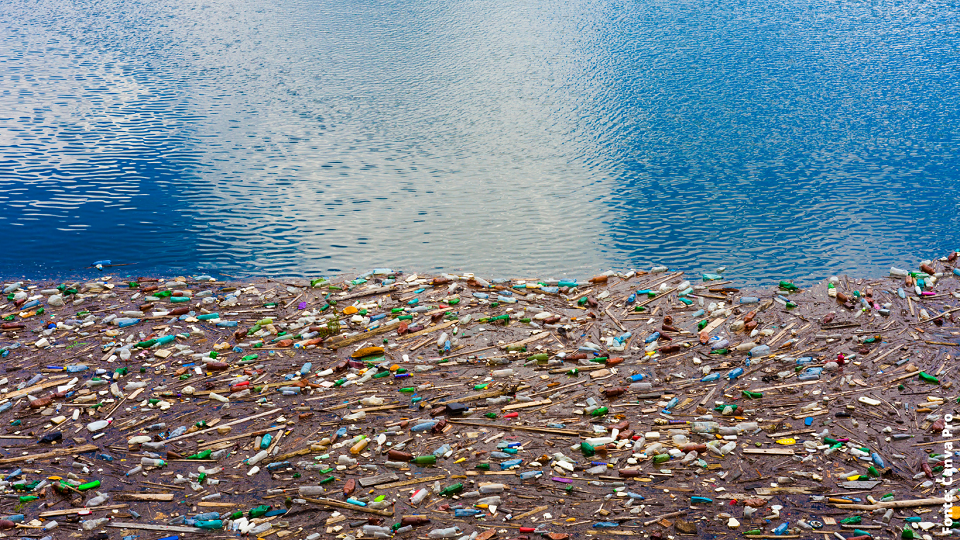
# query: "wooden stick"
(769, 451)
(522, 342)
(659, 295)
(69, 511)
(367, 292)
(526, 405)
(151, 527)
(893, 504)
(664, 516)
(41, 386)
(334, 343)
(938, 316)
(51, 454)
(563, 432)
(470, 352)
(234, 437)
(412, 482)
(427, 330)
(347, 506)
(529, 513)
(163, 497)
(235, 422)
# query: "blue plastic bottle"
(810, 374)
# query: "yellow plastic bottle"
(360, 446)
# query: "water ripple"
(312, 137)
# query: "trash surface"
(645, 403)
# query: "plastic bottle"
(91, 524)
(704, 427)
(98, 500)
(257, 457)
(359, 446)
(98, 425)
(373, 529)
(418, 497)
(263, 527)
(423, 426)
(810, 374)
(449, 532)
(311, 491)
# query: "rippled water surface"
(778, 139)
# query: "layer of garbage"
(642, 403)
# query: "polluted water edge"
(643, 404)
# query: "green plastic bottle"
(451, 490)
(89, 485)
(259, 511)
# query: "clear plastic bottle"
(98, 425)
(311, 491)
(449, 532)
(92, 524)
(418, 497)
(704, 427)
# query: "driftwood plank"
(54, 453)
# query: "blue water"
(292, 137)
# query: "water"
(781, 140)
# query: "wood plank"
(41, 386)
(378, 479)
(334, 343)
(54, 453)
(714, 324)
(526, 405)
